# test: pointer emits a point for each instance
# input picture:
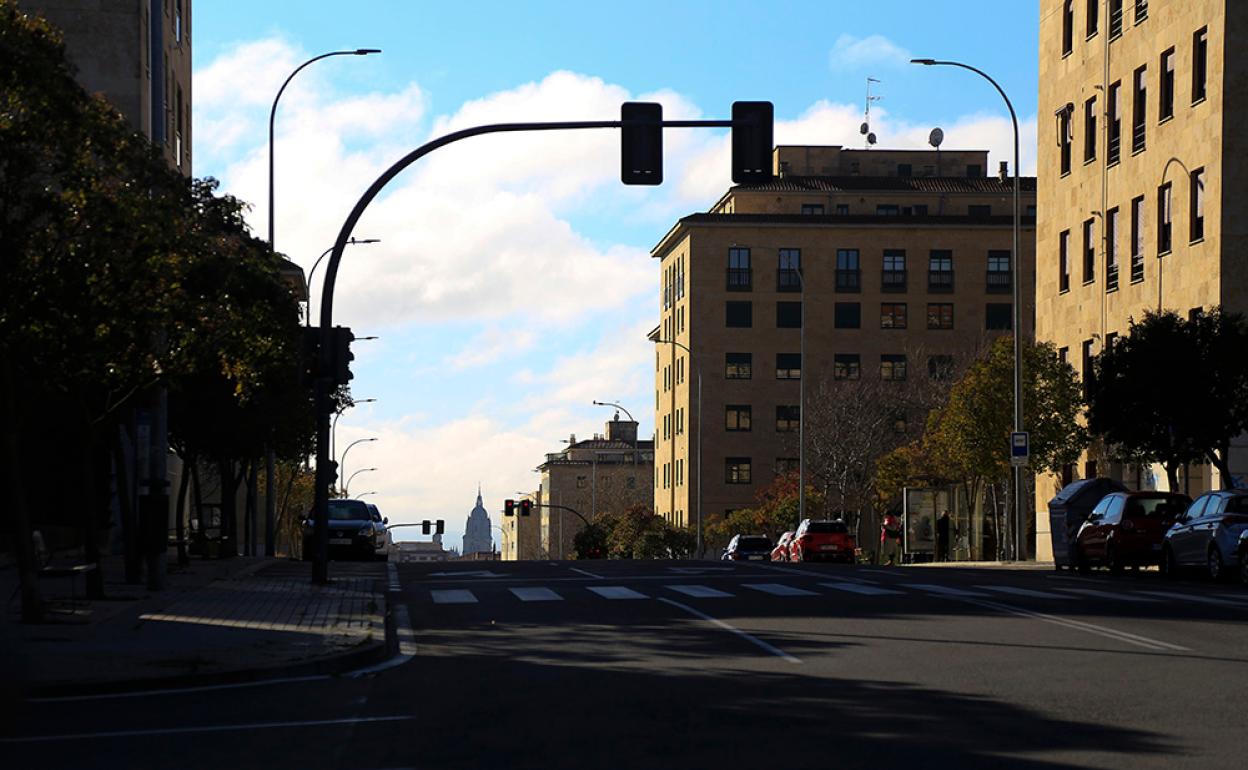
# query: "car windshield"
(827, 527)
(754, 542)
(347, 510)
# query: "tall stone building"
(1140, 170)
(477, 536)
(904, 258)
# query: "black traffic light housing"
(752, 129)
(641, 144)
(437, 526)
(341, 355)
(526, 507)
(509, 507)
(309, 349)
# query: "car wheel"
(1111, 559)
(1169, 565)
(1243, 567)
(1213, 563)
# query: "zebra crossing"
(858, 587)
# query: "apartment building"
(903, 257)
(1137, 179)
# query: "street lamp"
(1019, 546)
(363, 494)
(698, 370)
(342, 465)
(312, 272)
(630, 417)
(346, 488)
(333, 433)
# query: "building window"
(1141, 10)
(998, 316)
(846, 366)
(892, 315)
(1063, 355)
(788, 366)
(788, 315)
(1198, 205)
(905, 169)
(737, 417)
(1164, 223)
(1063, 253)
(1086, 373)
(1093, 16)
(998, 277)
(1111, 250)
(1064, 135)
(893, 279)
(974, 171)
(940, 367)
(1139, 110)
(737, 470)
(740, 277)
(842, 209)
(940, 315)
(1113, 148)
(740, 314)
(1068, 27)
(1089, 251)
(1165, 88)
(1089, 130)
(786, 465)
(788, 270)
(581, 482)
(847, 315)
(848, 274)
(812, 209)
(788, 418)
(893, 367)
(940, 271)
(1137, 239)
(1115, 18)
(979, 210)
(738, 366)
(1200, 64)
(887, 210)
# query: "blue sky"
(513, 283)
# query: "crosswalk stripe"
(616, 592)
(700, 592)
(779, 589)
(861, 588)
(536, 595)
(1023, 592)
(453, 596)
(941, 590)
(1107, 595)
(1193, 598)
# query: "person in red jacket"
(890, 539)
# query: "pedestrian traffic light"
(509, 507)
(752, 126)
(526, 507)
(641, 143)
(341, 355)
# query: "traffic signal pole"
(751, 119)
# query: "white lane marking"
(779, 589)
(1233, 597)
(789, 570)
(586, 572)
(1108, 595)
(453, 596)
(407, 645)
(749, 638)
(536, 595)
(942, 590)
(859, 588)
(700, 592)
(1192, 598)
(1030, 592)
(204, 729)
(1079, 625)
(393, 570)
(616, 592)
(180, 690)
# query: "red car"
(781, 551)
(822, 541)
(1127, 529)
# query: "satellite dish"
(864, 128)
(936, 137)
(871, 138)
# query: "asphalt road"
(691, 665)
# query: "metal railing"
(998, 282)
(848, 280)
(893, 280)
(940, 280)
(740, 279)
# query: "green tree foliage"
(635, 533)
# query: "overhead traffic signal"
(752, 128)
(641, 144)
(309, 349)
(526, 507)
(436, 526)
(509, 507)
(341, 355)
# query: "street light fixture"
(316, 264)
(333, 433)
(630, 418)
(342, 465)
(363, 494)
(346, 488)
(1019, 545)
(697, 368)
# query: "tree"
(774, 512)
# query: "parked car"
(1243, 556)
(781, 551)
(1127, 529)
(383, 538)
(351, 531)
(822, 541)
(1207, 534)
(747, 548)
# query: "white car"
(382, 537)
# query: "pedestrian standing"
(890, 539)
(942, 536)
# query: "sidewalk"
(231, 620)
(1020, 565)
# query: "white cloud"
(491, 345)
(849, 52)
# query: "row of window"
(673, 474)
(1136, 241)
(893, 276)
(846, 366)
(1092, 20)
(1139, 107)
(739, 314)
(674, 282)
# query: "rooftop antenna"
(865, 128)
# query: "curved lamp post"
(342, 465)
(312, 272)
(346, 488)
(698, 370)
(333, 432)
(1019, 545)
(362, 494)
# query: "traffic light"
(437, 527)
(309, 348)
(752, 125)
(509, 507)
(526, 507)
(342, 355)
(641, 146)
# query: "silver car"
(1207, 534)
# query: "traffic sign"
(1020, 448)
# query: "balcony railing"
(1137, 268)
(1111, 278)
(893, 280)
(940, 280)
(787, 279)
(1137, 137)
(848, 280)
(1115, 143)
(998, 282)
(740, 278)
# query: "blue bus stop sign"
(1020, 448)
